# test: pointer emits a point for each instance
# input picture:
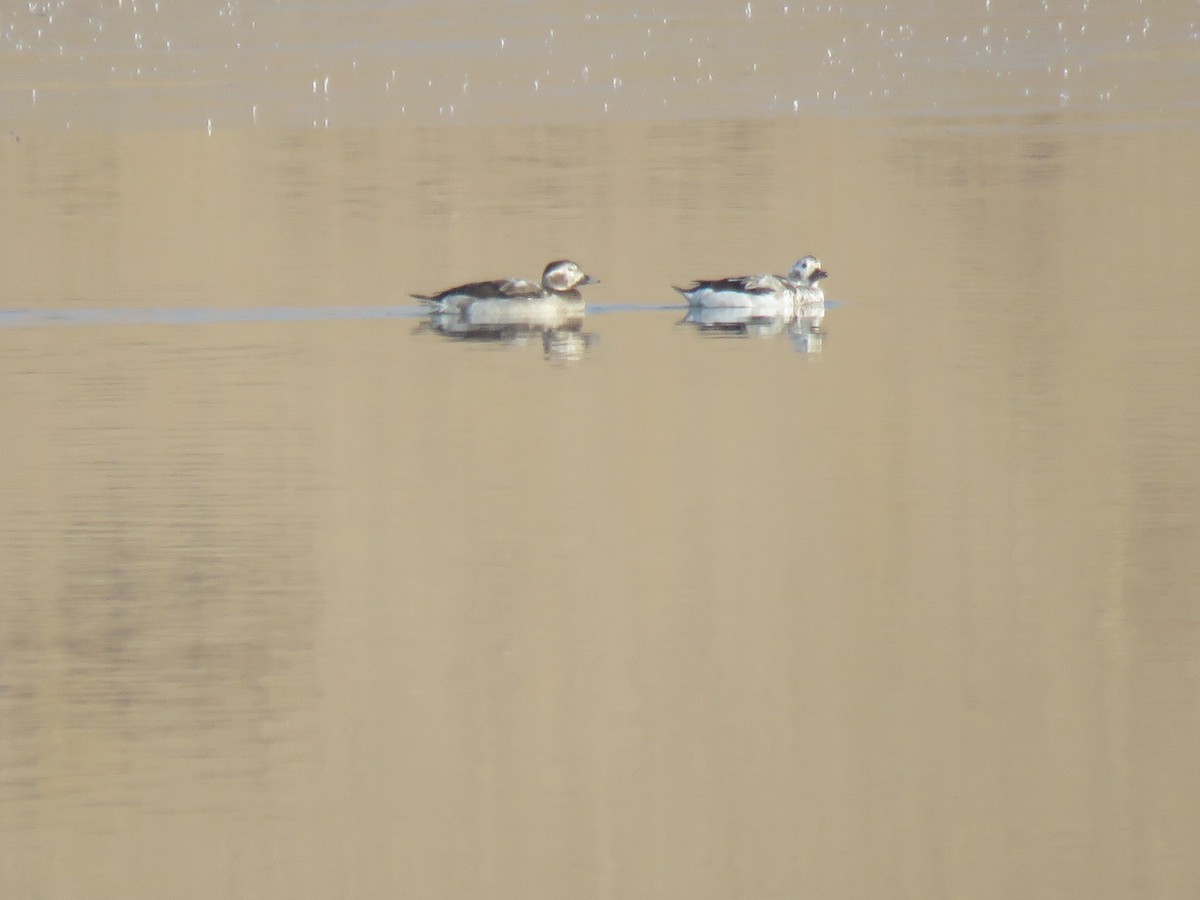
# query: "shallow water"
(299, 598)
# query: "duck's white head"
(565, 275)
(807, 271)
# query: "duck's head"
(807, 271)
(565, 275)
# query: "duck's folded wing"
(519, 287)
(462, 292)
(761, 284)
(744, 284)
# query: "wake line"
(212, 315)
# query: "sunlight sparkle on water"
(871, 58)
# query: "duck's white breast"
(809, 296)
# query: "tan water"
(299, 599)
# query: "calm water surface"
(302, 598)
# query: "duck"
(768, 293)
(516, 298)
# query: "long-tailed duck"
(765, 292)
(515, 297)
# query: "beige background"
(334, 608)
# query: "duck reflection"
(560, 330)
(802, 324)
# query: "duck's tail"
(433, 303)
